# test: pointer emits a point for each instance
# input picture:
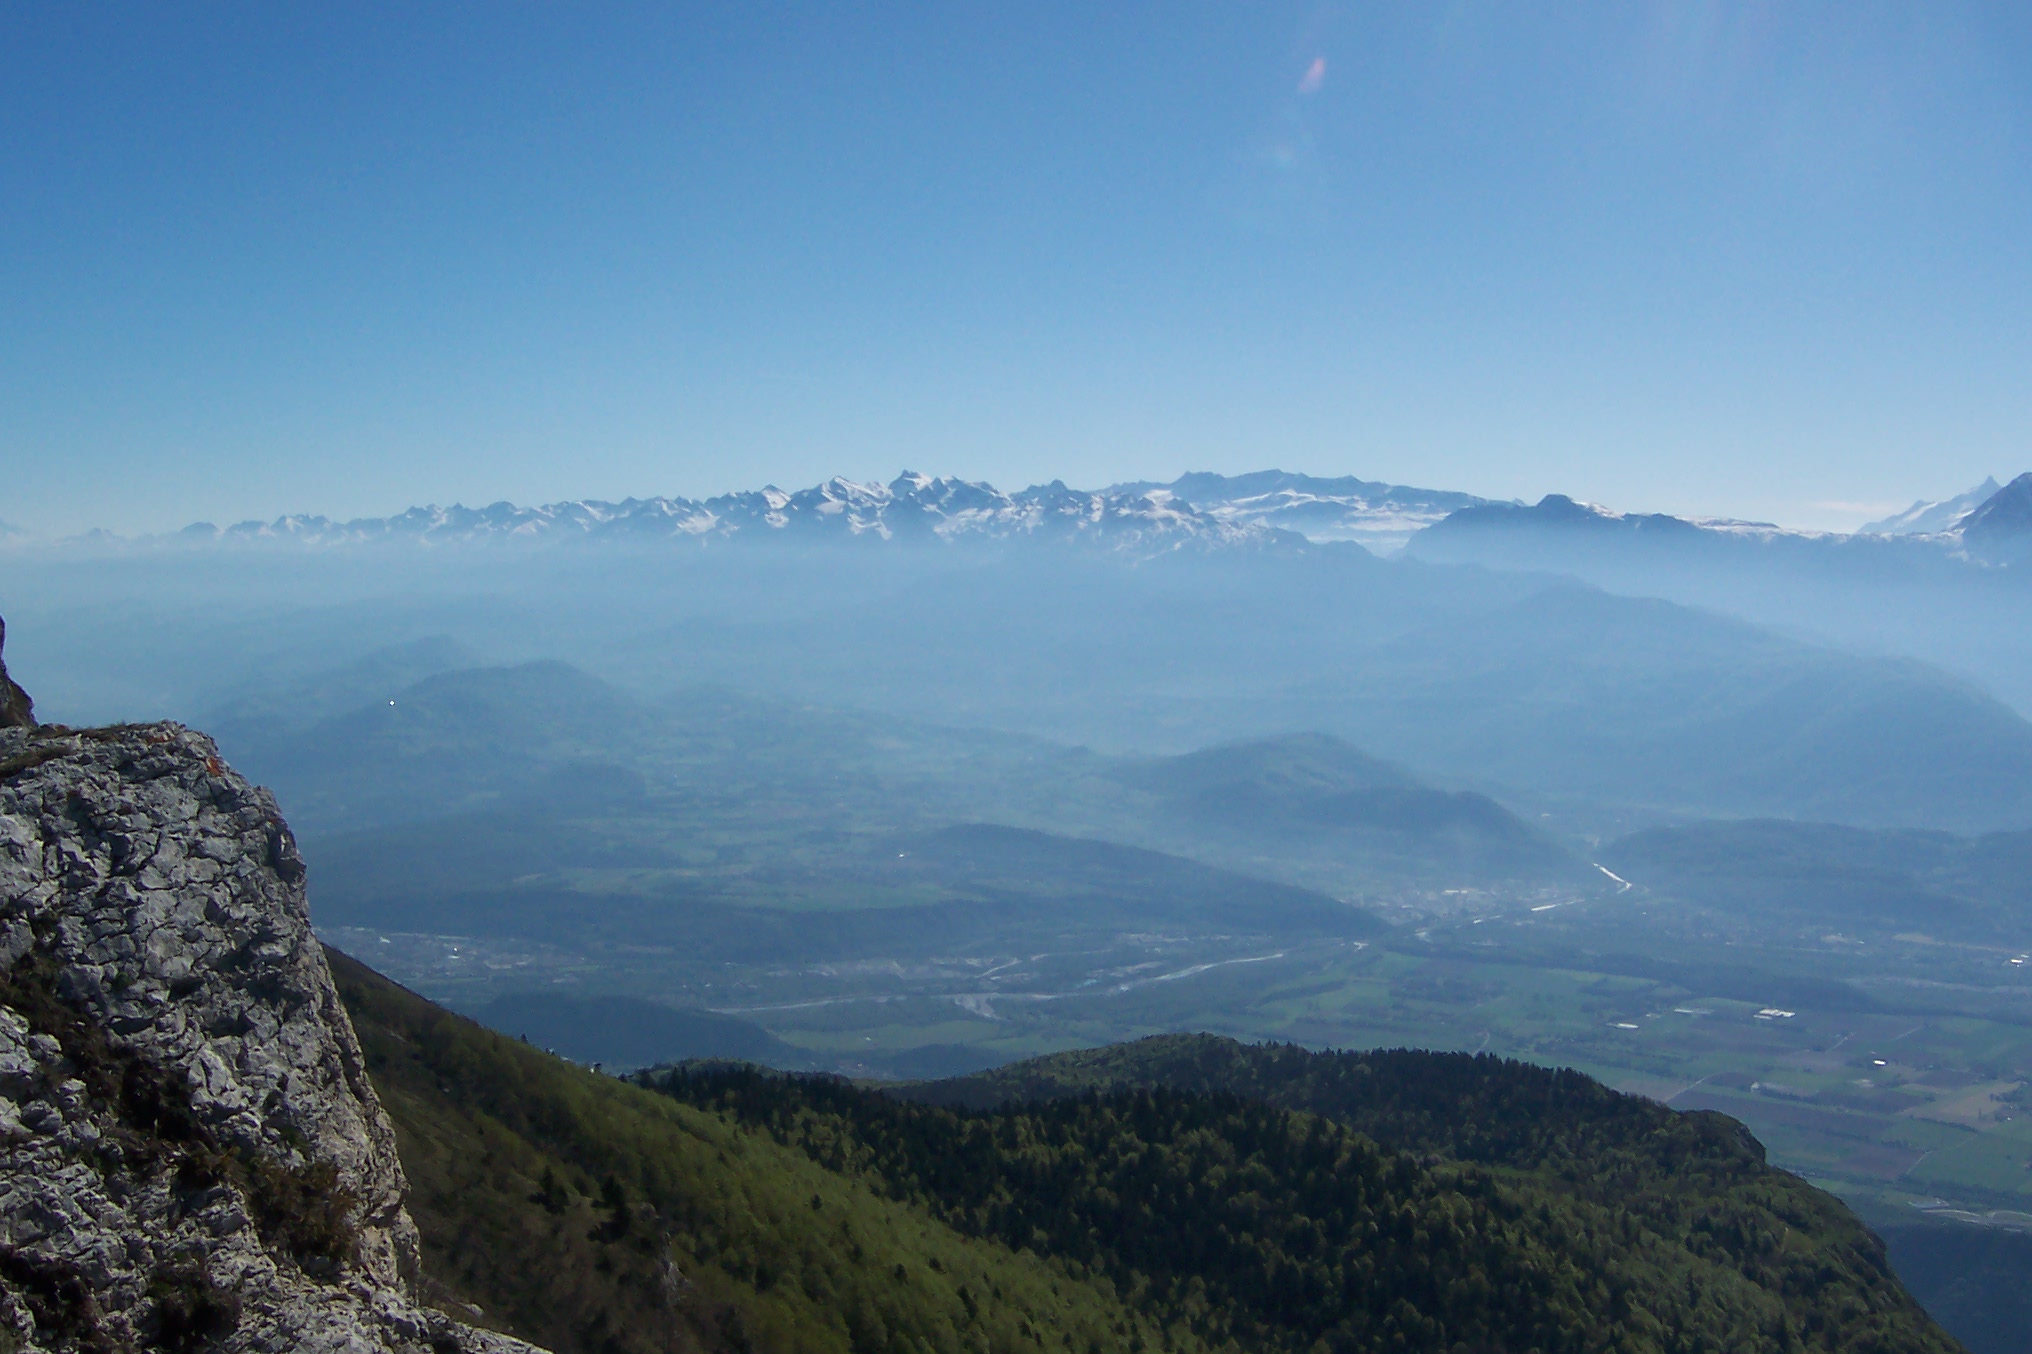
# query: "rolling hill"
(1608, 712)
(1317, 797)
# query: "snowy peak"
(1381, 517)
(1928, 517)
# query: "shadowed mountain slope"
(1674, 712)
(1941, 583)
(1848, 879)
(1976, 1281)
(2000, 529)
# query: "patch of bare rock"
(191, 1155)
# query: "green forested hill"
(1274, 1229)
(740, 1209)
(1696, 1181)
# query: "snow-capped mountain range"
(1266, 509)
(912, 506)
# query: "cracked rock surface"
(191, 1155)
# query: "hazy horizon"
(1829, 516)
(1708, 260)
(1678, 871)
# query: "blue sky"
(1751, 259)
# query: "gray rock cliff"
(191, 1155)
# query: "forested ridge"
(1546, 1213)
(1474, 1107)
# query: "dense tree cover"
(1472, 1107)
(589, 1215)
(1698, 1178)
(1613, 1225)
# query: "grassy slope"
(726, 1240)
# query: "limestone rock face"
(191, 1155)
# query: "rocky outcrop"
(17, 711)
(191, 1155)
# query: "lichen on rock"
(191, 1154)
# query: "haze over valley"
(1313, 678)
(916, 779)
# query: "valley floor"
(1898, 1080)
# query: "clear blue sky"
(345, 258)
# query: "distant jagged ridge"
(1930, 516)
(910, 507)
(1997, 529)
